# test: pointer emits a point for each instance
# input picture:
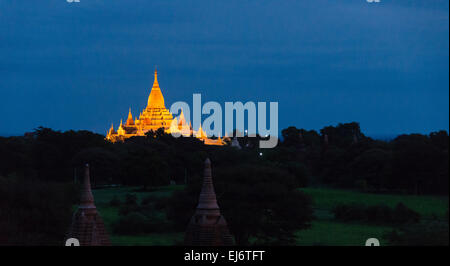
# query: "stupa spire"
(207, 226)
(155, 82)
(121, 130)
(201, 134)
(181, 118)
(207, 200)
(87, 199)
(156, 99)
(87, 225)
(130, 118)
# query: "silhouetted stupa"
(87, 225)
(235, 143)
(208, 227)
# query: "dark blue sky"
(82, 65)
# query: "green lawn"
(110, 215)
(329, 232)
(103, 196)
(325, 198)
(332, 233)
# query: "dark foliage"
(34, 212)
(408, 164)
(114, 202)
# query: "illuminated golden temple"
(154, 117)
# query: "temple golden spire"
(130, 118)
(201, 134)
(155, 82)
(121, 130)
(156, 99)
(181, 119)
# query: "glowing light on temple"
(154, 117)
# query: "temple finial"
(87, 200)
(207, 195)
(155, 82)
(130, 118)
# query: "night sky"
(82, 65)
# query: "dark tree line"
(340, 156)
(49, 155)
(343, 156)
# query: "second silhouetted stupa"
(208, 227)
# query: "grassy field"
(324, 230)
(327, 231)
(103, 196)
(424, 205)
(332, 233)
(110, 216)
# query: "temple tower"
(207, 226)
(87, 225)
(156, 116)
(155, 99)
(130, 121)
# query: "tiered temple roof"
(87, 225)
(154, 117)
(207, 226)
